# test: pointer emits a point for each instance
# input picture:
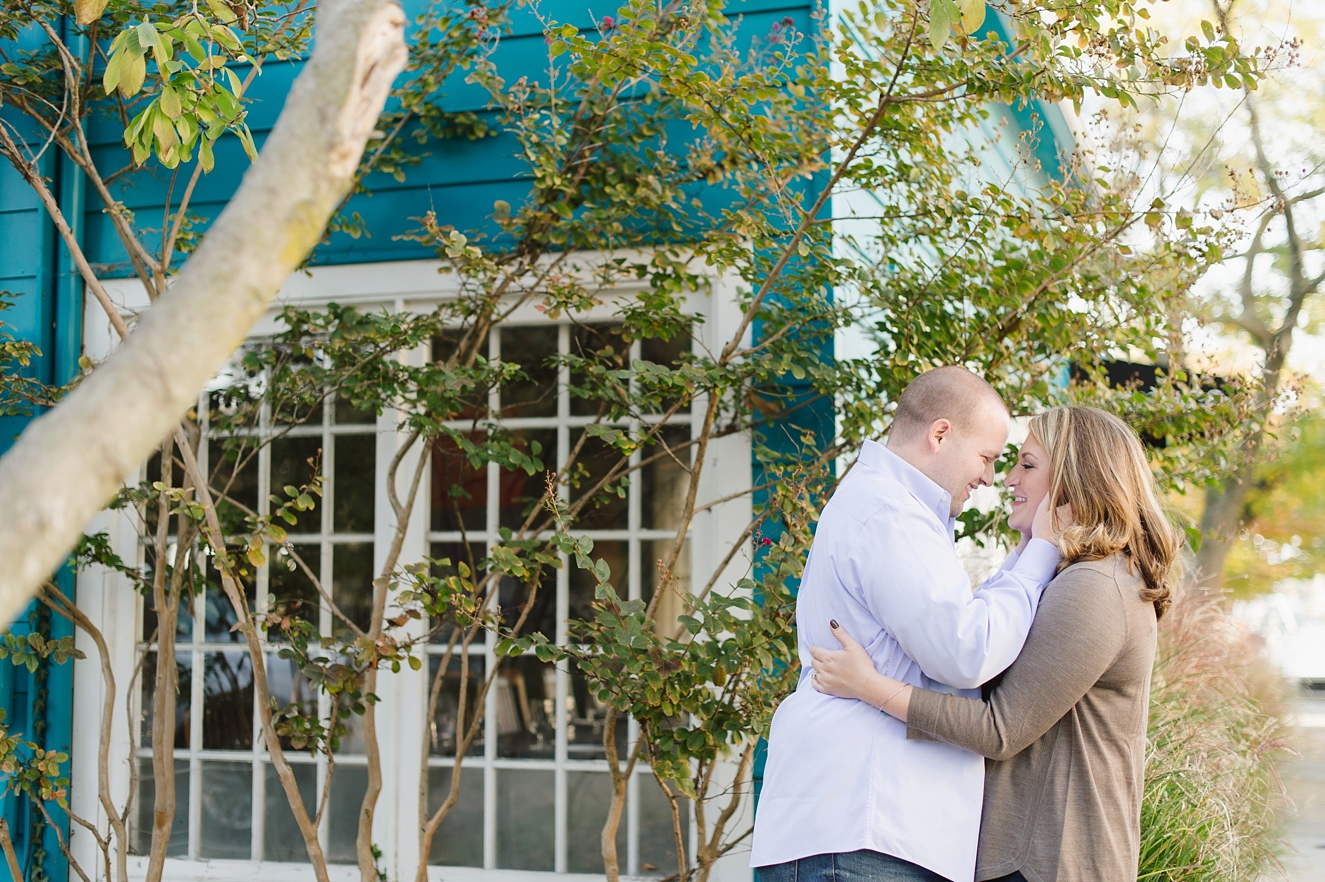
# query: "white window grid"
(196, 647)
(489, 762)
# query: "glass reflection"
(459, 490)
(220, 621)
(520, 492)
(582, 583)
(516, 597)
(292, 592)
(356, 479)
(657, 833)
(352, 583)
(587, 718)
(288, 685)
(664, 482)
(346, 412)
(227, 708)
(348, 784)
(608, 508)
(588, 798)
(227, 811)
(454, 553)
(281, 838)
(668, 353)
(605, 345)
(144, 805)
(183, 698)
(233, 468)
(443, 735)
(526, 708)
(459, 839)
(293, 461)
(534, 349)
(676, 584)
(525, 811)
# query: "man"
(844, 791)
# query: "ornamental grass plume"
(1213, 799)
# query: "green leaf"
(1209, 31)
(939, 25)
(222, 10)
(246, 138)
(556, 48)
(170, 103)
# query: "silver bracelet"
(890, 698)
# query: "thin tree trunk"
(69, 462)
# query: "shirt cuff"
(1039, 560)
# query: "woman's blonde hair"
(1100, 469)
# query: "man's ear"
(939, 430)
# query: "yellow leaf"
(88, 11)
(973, 15)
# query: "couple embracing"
(997, 734)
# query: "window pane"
(288, 685)
(515, 596)
(233, 475)
(352, 583)
(292, 592)
(281, 838)
(356, 477)
(665, 482)
(442, 734)
(608, 508)
(184, 623)
(227, 811)
(526, 707)
(183, 698)
(588, 797)
(677, 587)
(525, 809)
(657, 832)
(471, 403)
(220, 619)
(521, 492)
(347, 413)
(144, 802)
(459, 838)
(348, 785)
(604, 344)
(534, 349)
(456, 553)
(583, 584)
(459, 490)
(290, 467)
(588, 719)
(668, 353)
(227, 686)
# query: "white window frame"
(399, 286)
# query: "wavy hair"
(1100, 469)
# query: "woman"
(1064, 727)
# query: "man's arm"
(914, 584)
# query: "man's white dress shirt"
(840, 775)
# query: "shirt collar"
(920, 485)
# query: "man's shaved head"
(950, 392)
(951, 425)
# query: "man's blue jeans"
(852, 866)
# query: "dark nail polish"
(832, 623)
